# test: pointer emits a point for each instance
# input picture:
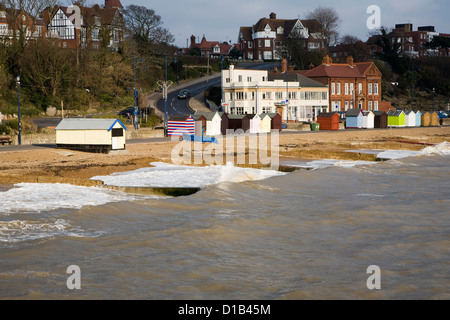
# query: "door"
(115, 143)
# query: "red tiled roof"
(334, 71)
(113, 4)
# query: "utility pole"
(165, 86)
(18, 104)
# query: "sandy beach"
(66, 166)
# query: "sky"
(221, 20)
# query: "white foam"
(38, 197)
(326, 163)
(442, 149)
(16, 231)
(169, 175)
(397, 154)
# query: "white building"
(294, 96)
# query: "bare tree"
(329, 20)
(145, 27)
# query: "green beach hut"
(396, 119)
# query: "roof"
(88, 124)
(208, 115)
(236, 116)
(327, 114)
(113, 4)
(379, 113)
(394, 113)
(366, 112)
(334, 70)
(180, 118)
(353, 112)
(297, 77)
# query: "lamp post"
(164, 85)
(433, 98)
(256, 99)
(18, 104)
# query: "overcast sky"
(221, 20)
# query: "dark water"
(305, 235)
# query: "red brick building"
(351, 85)
(212, 49)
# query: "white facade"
(368, 120)
(250, 92)
(410, 119)
(213, 126)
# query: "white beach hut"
(368, 119)
(213, 123)
(410, 118)
(255, 123)
(266, 123)
(96, 135)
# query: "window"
(352, 88)
(240, 79)
(249, 79)
(359, 88)
(324, 95)
(376, 106)
(338, 88)
(250, 44)
(376, 88)
(267, 55)
(227, 80)
(259, 43)
(370, 89)
(266, 109)
(239, 96)
(346, 88)
(346, 105)
(239, 110)
(370, 105)
(333, 88)
(117, 132)
(293, 95)
(267, 43)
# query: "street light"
(165, 86)
(18, 103)
(433, 98)
(256, 99)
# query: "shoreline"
(50, 165)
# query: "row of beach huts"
(363, 119)
(218, 123)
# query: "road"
(177, 106)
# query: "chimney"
(275, 70)
(311, 66)
(291, 68)
(326, 60)
(192, 41)
(350, 61)
(284, 66)
(273, 15)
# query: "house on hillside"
(212, 49)
(265, 40)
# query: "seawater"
(308, 234)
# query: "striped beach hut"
(426, 119)
(418, 118)
(396, 118)
(354, 119)
(179, 125)
(380, 119)
(368, 119)
(410, 118)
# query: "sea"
(329, 230)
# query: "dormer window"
(280, 30)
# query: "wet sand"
(75, 167)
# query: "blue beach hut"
(354, 119)
(418, 118)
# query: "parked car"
(184, 94)
(442, 114)
(128, 112)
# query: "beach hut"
(223, 123)
(396, 118)
(238, 121)
(275, 124)
(380, 120)
(179, 125)
(418, 118)
(266, 123)
(354, 119)
(211, 123)
(328, 121)
(410, 118)
(255, 123)
(434, 119)
(368, 119)
(200, 124)
(96, 135)
(426, 119)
